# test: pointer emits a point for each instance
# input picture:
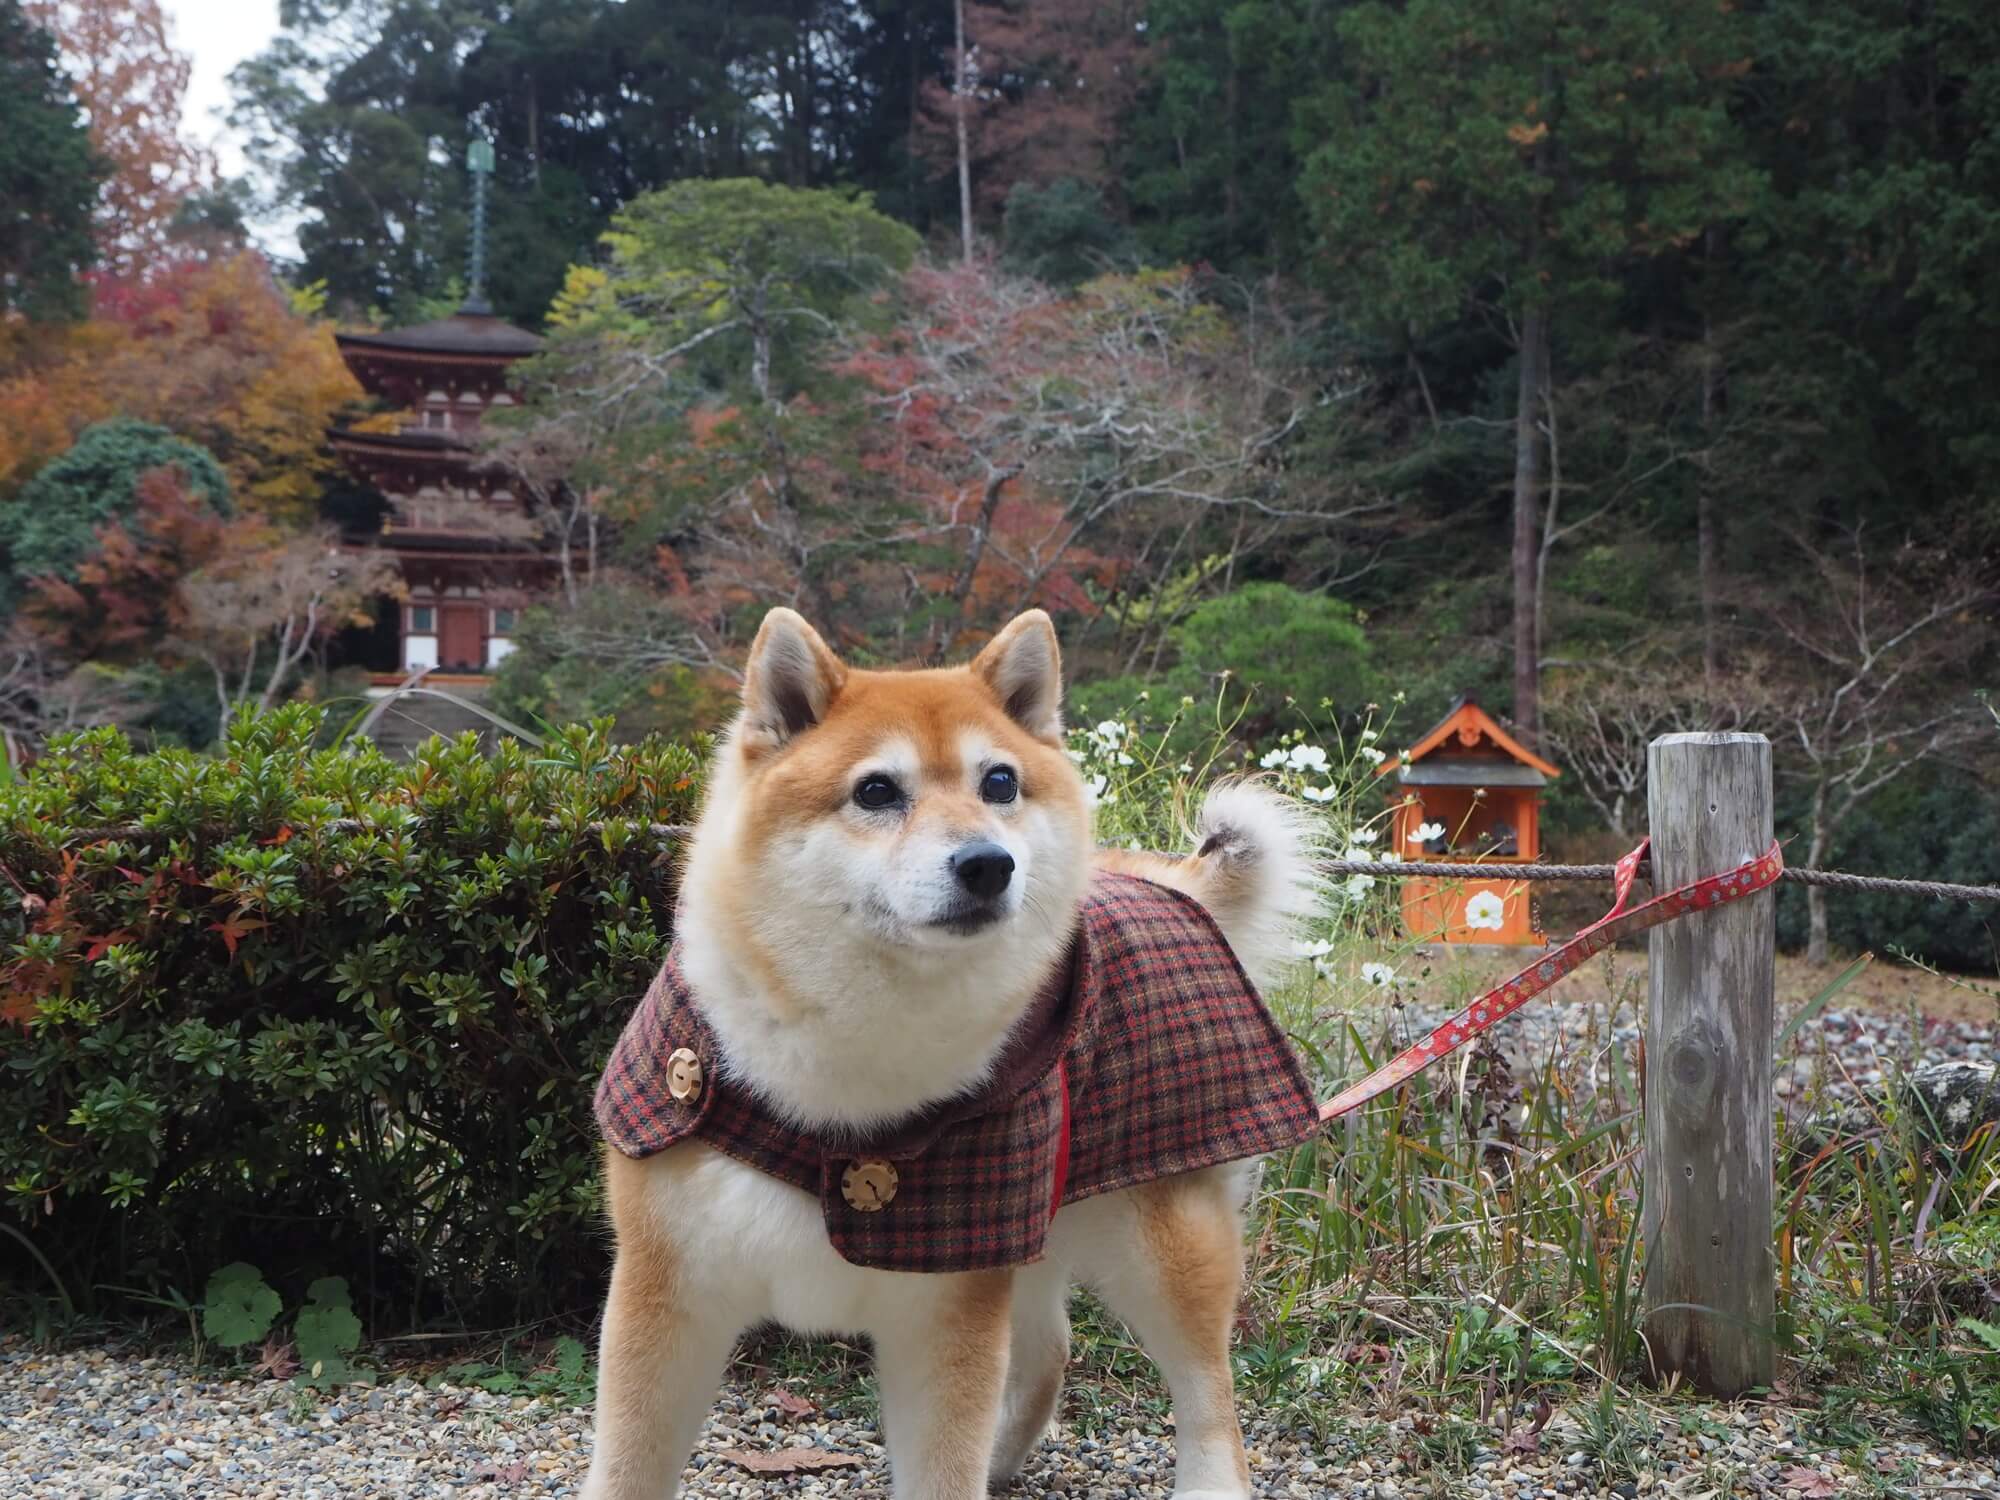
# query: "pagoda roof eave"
(465, 337)
(403, 444)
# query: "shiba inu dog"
(888, 870)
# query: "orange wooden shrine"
(1469, 791)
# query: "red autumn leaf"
(1799, 1480)
(788, 1460)
(18, 1006)
(94, 947)
(790, 1403)
(235, 928)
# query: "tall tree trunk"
(1818, 948)
(1231, 203)
(1708, 542)
(1527, 518)
(760, 344)
(960, 102)
(534, 134)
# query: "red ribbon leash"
(1503, 1000)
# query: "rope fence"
(1838, 880)
(1397, 869)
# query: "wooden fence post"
(1711, 1271)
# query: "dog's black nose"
(983, 868)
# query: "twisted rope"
(1838, 880)
(669, 833)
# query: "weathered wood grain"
(1711, 1268)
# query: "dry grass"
(1888, 987)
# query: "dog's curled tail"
(1255, 867)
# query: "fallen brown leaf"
(788, 1460)
(1799, 1480)
(277, 1360)
(790, 1403)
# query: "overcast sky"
(217, 35)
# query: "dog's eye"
(877, 792)
(1000, 785)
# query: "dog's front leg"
(663, 1351)
(942, 1367)
(1173, 1274)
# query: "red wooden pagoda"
(469, 553)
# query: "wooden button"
(868, 1185)
(684, 1075)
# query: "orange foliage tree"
(124, 600)
(211, 348)
(131, 81)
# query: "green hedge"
(329, 1013)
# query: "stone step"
(413, 718)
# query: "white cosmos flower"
(1359, 855)
(1380, 974)
(1317, 949)
(1375, 757)
(1358, 886)
(1485, 910)
(1426, 832)
(1270, 760)
(1322, 968)
(1307, 758)
(1367, 735)
(1124, 759)
(1095, 788)
(1110, 729)
(1319, 793)
(1079, 756)
(1364, 835)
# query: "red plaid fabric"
(1171, 1064)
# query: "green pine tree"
(1517, 158)
(49, 177)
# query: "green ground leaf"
(237, 1307)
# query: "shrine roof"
(1498, 759)
(463, 333)
(415, 444)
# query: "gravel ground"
(98, 1425)
(1850, 1051)
(114, 1427)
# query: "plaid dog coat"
(1148, 1055)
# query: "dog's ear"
(1023, 666)
(789, 680)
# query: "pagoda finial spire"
(479, 162)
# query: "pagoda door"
(462, 637)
